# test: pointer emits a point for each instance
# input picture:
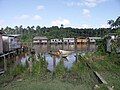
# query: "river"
(69, 60)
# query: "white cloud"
(22, 16)
(92, 3)
(2, 21)
(70, 4)
(60, 21)
(40, 7)
(86, 13)
(37, 17)
(105, 25)
(85, 26)
(28, 17)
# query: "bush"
(60, 69)
(39, 67)
(19, 69)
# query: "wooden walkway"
(7, 53)
(1, 71)
(5, 61)
(100, 77)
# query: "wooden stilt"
(5, 64)
(54, 64)
(76, 51)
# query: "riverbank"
(80, 76)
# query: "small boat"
(57, 53)
(62, 53)
(65, 53)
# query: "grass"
(51, 85)
(80, 77)
(107, 68)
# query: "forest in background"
(63, 32)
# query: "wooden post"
(48, 45)
(62, 46)
(5, 64)
(54, 64)
(76, 49)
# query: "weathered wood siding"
(81, 40)
(1, 44)
(10, 43)
(5, 43)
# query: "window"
(11, 40)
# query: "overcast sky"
(70, 13)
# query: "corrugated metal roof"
(68, 38)
(11, 35)
(14, 35)
(39, 37)
(1, 32)
(94, 37)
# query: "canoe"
(65, 53)
(62, 53)
(57, 53)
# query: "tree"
(16, 30)
(111, 23)
(62, 26)
(21, 29)
(38, 30)
(115, 23)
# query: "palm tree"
(16, 29)
(21, 29)
(115, 23)
(62, 26)
(111, 23)
(38, 29)
(28, 29)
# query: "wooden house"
(1, 43)
(11, 42)
(56, 41)
(109, 41)
(93, 39)
(40, 40)
(81, 40)
(118, 44)
(113, 35)
(68, 40)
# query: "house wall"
(82, 40)
(44, 41)
(10, 43)
(16, 43)
(92, 40)
(69, 40)
(36, 41)
(56, 41)
(1, 44)
(5, 43)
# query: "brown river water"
(53, 61)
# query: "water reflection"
(79, 47)
(69, 60)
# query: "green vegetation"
(79, 77)
(28, 33)
(60, 69)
